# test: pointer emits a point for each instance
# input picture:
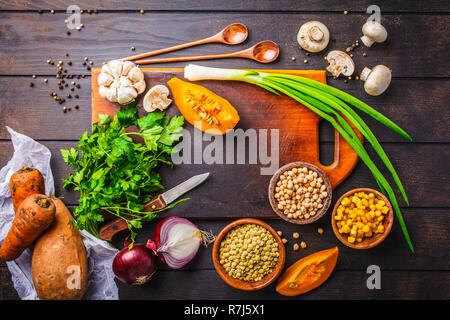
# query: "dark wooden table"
(417, 50)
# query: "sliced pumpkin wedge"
(202, 108)
(308, 273)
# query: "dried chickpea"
(296, 235)
(303, 244)
(300, 193)
(295, 247)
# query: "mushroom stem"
(367, 41)
(365, 73)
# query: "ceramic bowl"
(241, 284)
(273, 202)
(376, 239)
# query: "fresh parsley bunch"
(116, 175)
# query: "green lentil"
(248, 252)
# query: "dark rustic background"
(417, 50)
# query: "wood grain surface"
(417, 99)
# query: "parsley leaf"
(117, 175)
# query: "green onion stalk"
(331, 104)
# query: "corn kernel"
(351, 239)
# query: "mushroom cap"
(373, 32)
(156, 98)
(340, 62)
(313, 36)
(376, 80)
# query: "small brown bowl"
(273, 201)
(241, 284)
(373, 241)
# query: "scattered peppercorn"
(320, 230)
(76, 95)
(293, 58)
(45, 80)
(52, 11)
(284, 240)
(81, 11)
(77, 107)
(40, 11)
(345, 12)
(305, 61)
(142, 11)
(31, 84)
(133, 48)
(280, 233)
(33, 76)
(364, 54)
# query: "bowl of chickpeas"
(362, 218)
(300, 192)
(248, 254)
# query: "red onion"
(176, 241)
(136, 265)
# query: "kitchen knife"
(161, 201)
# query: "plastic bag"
(101, 284)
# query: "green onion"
(329, 103)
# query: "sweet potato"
(24, 183)
(35, 214)
(59, 265)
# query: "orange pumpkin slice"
(308, 273)
(202, 108)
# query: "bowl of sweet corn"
(362, 218)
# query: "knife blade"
(170, 195)
(109, 230)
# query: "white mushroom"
(377, 80)
(373, 32)
(340, 63)
(313, 36)
(156, 98)
(120, 81)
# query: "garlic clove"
(157, 98)
(127, 66)
(139, 86)
(135, 74)
(124, 82)
(116, 67)
(126, 94)
(105, 79)
(106, 69)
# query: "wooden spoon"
(232, 34)
(264, 52)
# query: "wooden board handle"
(345, 160)
(109, 230)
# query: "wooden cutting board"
(259, 109)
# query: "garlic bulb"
(120, 81)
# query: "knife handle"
(109, 230)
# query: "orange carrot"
(25, 182)
(35, 214)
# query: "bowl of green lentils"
(248, 254)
